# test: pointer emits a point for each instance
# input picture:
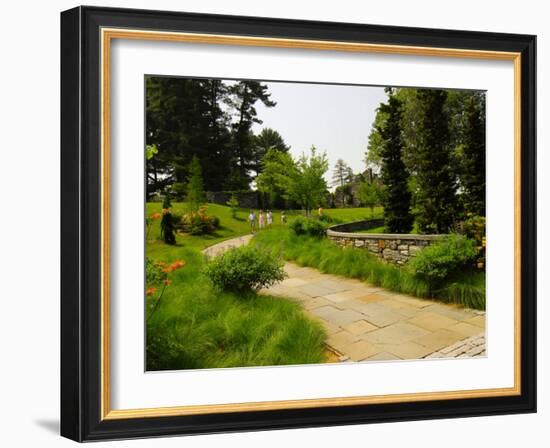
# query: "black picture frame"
(81, 224)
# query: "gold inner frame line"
(107, 35)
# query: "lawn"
(195, 326)
(467, 289)
(340, 215)
(231, 227)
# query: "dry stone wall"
(392, 248)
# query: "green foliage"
(195, 186)
(233, 204)
(154, 274)
(167, 200)
(465, 287)
(308, 226)
(302, 180)
(245, 269)
(396, 197)
(199, 222)
(474, 228)
(472, 173)
(179, 189)
(198, 327)
(168, 227)
(444, 258)
(370, 195)
(275, 179)
(307, 184)
(150, 151)
(341, 177)
(436, 200)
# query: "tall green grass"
(466, 288)
(195, 326)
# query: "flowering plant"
(156, 277)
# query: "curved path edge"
(366, 322)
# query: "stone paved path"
(365, 322)
(219, 248)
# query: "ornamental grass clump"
(245, 269)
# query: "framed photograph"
(274, 223)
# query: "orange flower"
(177, 264)
(150, 291)
(167, 282)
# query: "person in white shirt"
(269, 219)
(252, 221)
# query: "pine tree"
(195, 186)
(341, 176)
(472, 176)
(436, 182)
(394, 175)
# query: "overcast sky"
(335, 118)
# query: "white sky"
(335, 118)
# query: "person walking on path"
(252, 221)
(269, 219)
(283, 218)
(261, 220)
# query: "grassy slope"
(197, 327)
(467, 289)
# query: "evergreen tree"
(195, 186)
(341, 176)
(472, 173)
(394, 175)
(267, 139)
(242, 97)
(435, 180)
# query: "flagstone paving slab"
(432, 321)
(395, 334)
(438, 339)
(366, 322)
(478, 321)
(360, 327)
(360, 350)
(383, 356)
(465, 329)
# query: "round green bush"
(444, 258)
(308, 226)
(244, 269)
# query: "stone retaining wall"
(393, 248)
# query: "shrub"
(245, 269)
(298, 225)
(316, 228)
(438, 261)
(474, 228)
(199, 222)
(233, 204)
(311, 227)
